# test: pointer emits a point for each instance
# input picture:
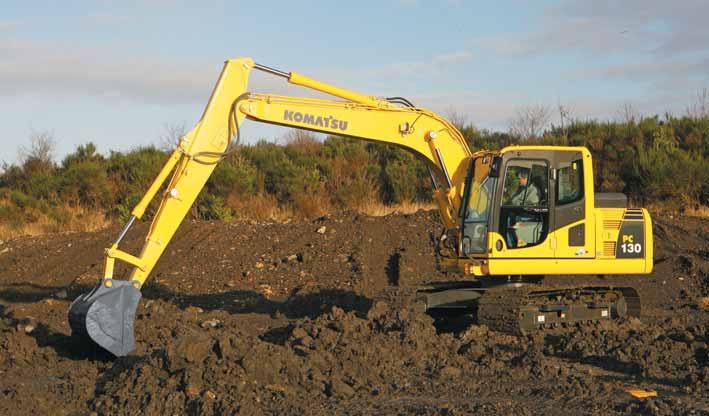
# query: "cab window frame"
(557, 191)
(542, 211)
(504, 181)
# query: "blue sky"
(116, 73)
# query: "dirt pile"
(670, 352)
(340, 361)
(318, 318)
(305, 366)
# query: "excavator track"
(499, 308)
(522, 309)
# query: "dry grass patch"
(73, 218)
(377, 209)
(261, 207)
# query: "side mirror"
(495, 167)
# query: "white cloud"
(12, 24)
(601, 27)
(30, 67)
(37, 67)
(415, 3)
(677, 27)
(572, 35)
(651, 70)
(102, 19)
(644, 42)
(434, 64)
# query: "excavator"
(510, 217)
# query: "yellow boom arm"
(421, 131)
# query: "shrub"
(212, 207)
(650, 159)
(85, 182)
(129, 176)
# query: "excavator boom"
(106, 314)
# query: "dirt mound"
(310, 364)
(318, 318)
(669, 352)
(341, 361)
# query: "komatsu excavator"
(510, 216)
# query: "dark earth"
(317, 317)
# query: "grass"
(662, 208)
(261, 207)
(701, 211)
(377, 209)
(252, 208)
(76, 218)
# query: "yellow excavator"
(510, 216)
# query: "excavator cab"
(508, 207)
(532, 210)
(514, 203)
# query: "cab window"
(524, 214)
(569, 185)
(479, 190)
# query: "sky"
(116, 73)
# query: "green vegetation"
(652, 159)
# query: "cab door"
(571, 233)
(523, 218)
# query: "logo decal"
(318, 121)
(631, 240)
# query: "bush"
(20, 200)
(650, 159)
(14, 216)
(665, 173)
(85, 183)
(212, 207)
(129, 176)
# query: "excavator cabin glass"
(479, 190)
(524, 212)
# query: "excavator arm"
(106, 314)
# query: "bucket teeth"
(106, 316)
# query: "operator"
(526, 193)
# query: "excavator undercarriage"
(520, 306)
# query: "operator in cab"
(526, 193)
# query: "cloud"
(674, 27)
(103, 19)
(12, 24)
(434, 64)
(416, 3)
(41, 67)
(651, 70)
(664, 44)
(601, 27)
(575, 35)
(31, 67)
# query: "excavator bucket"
(106, 315)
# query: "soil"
(316, 317)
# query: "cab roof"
(547, 148)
